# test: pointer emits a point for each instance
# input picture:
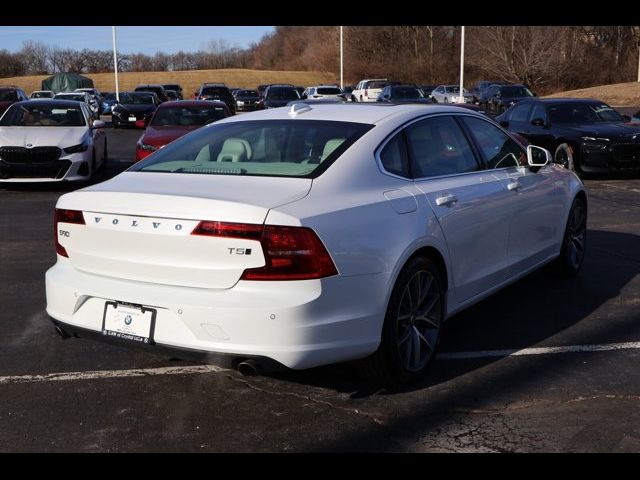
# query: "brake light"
(65, 216)
(291, 253)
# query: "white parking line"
(540, 351)
(97, 374)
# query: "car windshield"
(24, 115)
(77, 98)
(516, 92)
(329, 91)
(282, 93)
(218, 91)
(452, 89)
(583, 113)
(41, 95)
(136, 99)
(279, 148)
(406, 92)
(172, 87)
(187, 116)
(247, 93)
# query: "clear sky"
(131, 39)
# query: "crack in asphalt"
(370, 416)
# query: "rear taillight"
(65, 216)
(291, 253)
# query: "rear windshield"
(283, 93)
(329, 91)
(376, 84)
(41, 95)
(187, 116)
(516, 92)
(136, 99)
(215, 91)
(406, 92)
(278, 148)
(172, 87)
(246, 93)
(24, 115)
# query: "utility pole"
(462, 66)
(342, 61)
(115, 61)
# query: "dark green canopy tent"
(66, 82)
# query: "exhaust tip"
(248, 368)
(62, 332)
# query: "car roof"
(70, 93)
(367, 113)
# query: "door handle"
(513, 186)
(446, 199)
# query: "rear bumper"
(299, 324)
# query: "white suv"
(323, 92)
(368, 90)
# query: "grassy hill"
(190, 80)
(616, 95)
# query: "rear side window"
(278, 148)
(394, 157)
(498, 149)
(439, 147)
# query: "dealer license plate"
(129, 322)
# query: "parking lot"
(545, 365)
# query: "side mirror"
(504, 123)
(538, 122)
(98, 124)
(140, 123)
(537, 156)
(627, 118)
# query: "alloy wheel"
(418, 320)
(576, 235)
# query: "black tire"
(408, 332)
(564, 156)
(574, 242)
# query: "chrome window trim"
(389, 137)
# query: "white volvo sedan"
(49, 141)
(313, 234)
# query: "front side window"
(439, 147)
(8, 95)
(538, 112)
(42, 116)
(279, 148)
(498, 149)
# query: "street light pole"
(462, 66)
(115, 61)
(341, 61)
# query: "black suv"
(500, 97)
(157, 89)
(278, 96)
(217, 91)
(406, 93)
(175, 87)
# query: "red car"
(173, 120)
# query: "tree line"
(547, 58)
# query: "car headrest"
(235, 150)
